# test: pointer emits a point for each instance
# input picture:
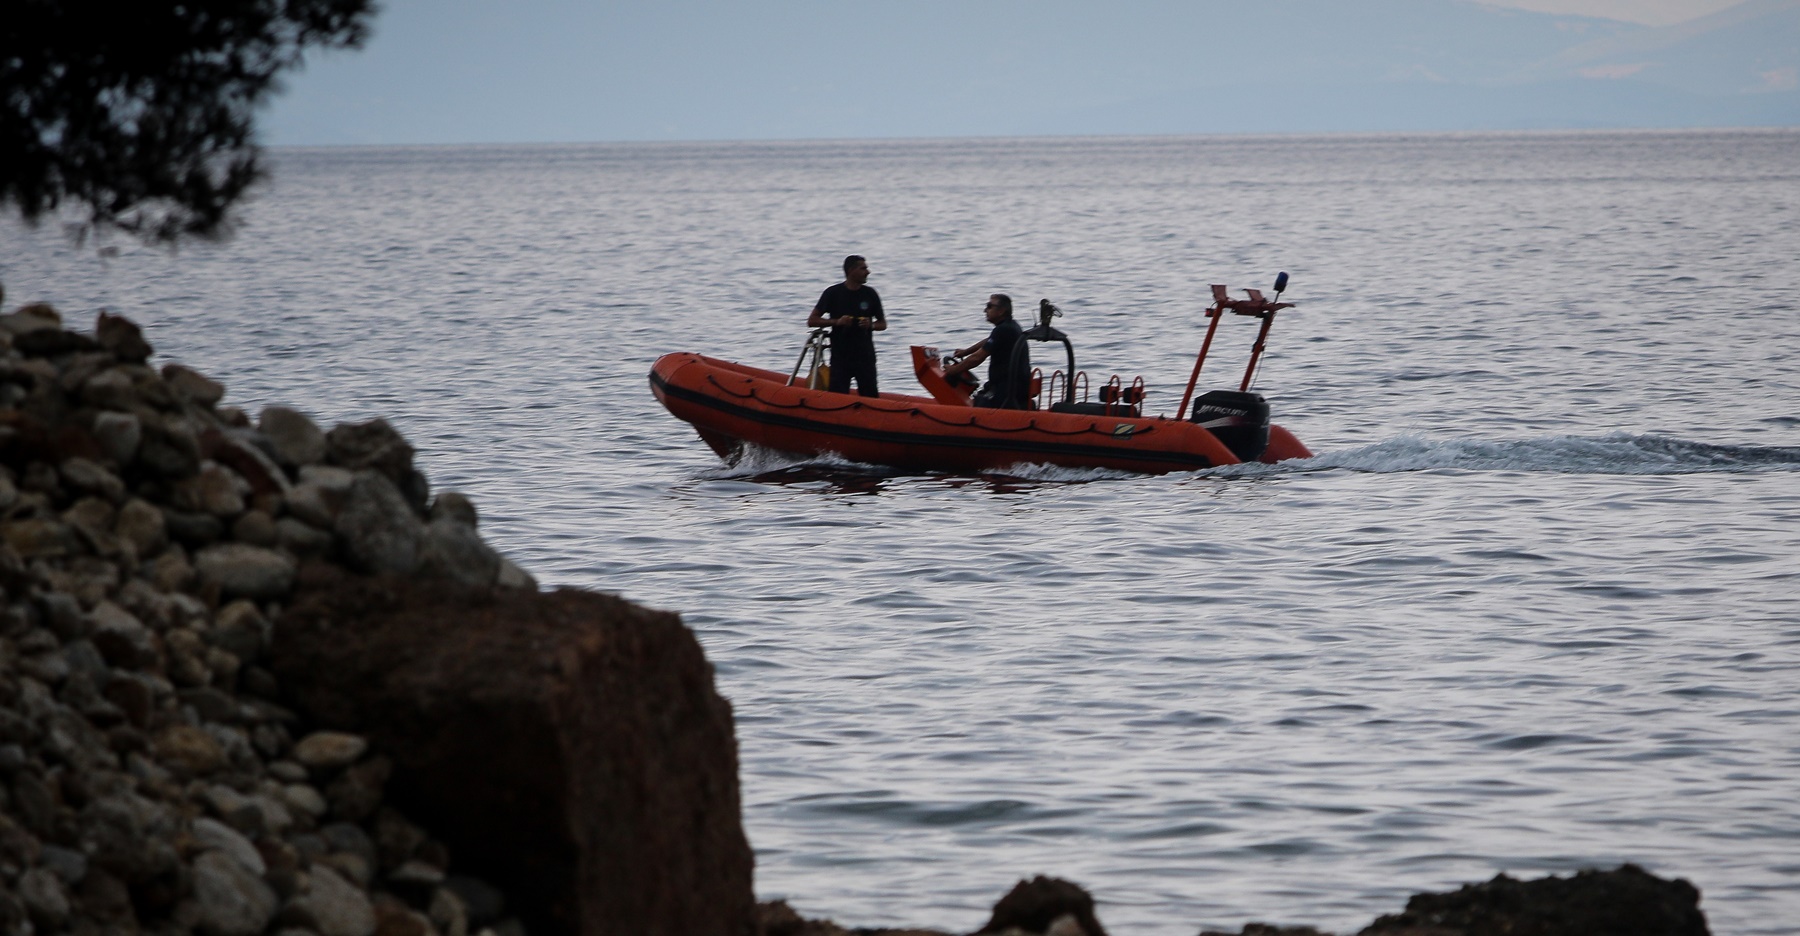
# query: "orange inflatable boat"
(730, 404)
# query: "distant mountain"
(1453, 65)
(1752, 48)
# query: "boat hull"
(730, 403)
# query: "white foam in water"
(756, 461)
(1028, 471)
(1616, 454)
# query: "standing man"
(853, 311)
(1007, 387)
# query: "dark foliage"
(143, 112)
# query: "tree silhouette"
(143, 112)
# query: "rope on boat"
(1030, 425)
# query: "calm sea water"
(1535, 607)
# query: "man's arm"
(968, 360)
(818, 320)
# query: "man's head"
(856, 270)
(999, 307)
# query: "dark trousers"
(863, 371)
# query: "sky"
(492, 71)
(1647, 12)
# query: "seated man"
(1006, 387)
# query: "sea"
(1533, 607)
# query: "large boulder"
(569, 745)
(377, 528)
(1045, 905)
(374, 444)
(1628, 901)
(297, 440)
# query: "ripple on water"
(1532, 608)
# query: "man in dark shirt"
(1006, 387)
(853, 311)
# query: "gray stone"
(121, 638)
(48, 539)
(89, 477)
(301, 538)
(235, 809)
(372, 445)
(354, 868)
(304, 798)
(332, 906)
(93, 516)
(287, 771)
(64, 617)
(122, 337)
(215, 490)
(185, 654)
(256, 528)
(152, 607)
(297, 440)
(484, 901)
(213, 834)
(211, 704)
(448, 912)
(453, 550)
(49, 668)
(190, 384)
(414, 874)
(171, 572)
(191, 749)
(511, 576)
(110, 390)
(130, 836)
(329, 750)
(349, 837)
(248, 453)
(169, 447)
(232, 900)
(456, 506)
(275, 815)
(86, 659)
(143, 526)
(118, 435)
(316, 504)
(245, 571)
(241, 628)
(191, 528)
(44, 898)
(377, 529)
(12, 759)
(329, 477)
(34, 317)
(69, 865)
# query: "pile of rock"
(256, 679)
(151, 776)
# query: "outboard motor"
(1239, 419)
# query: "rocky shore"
(257, 677)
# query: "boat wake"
(1615, 454)
(756, 463)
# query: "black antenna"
(1280, 285)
